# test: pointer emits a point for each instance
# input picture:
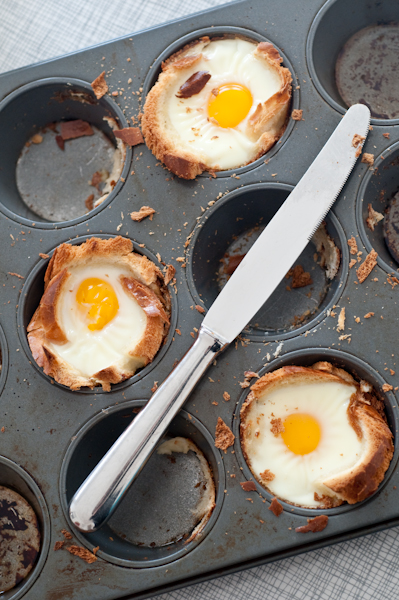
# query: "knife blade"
(290, 230)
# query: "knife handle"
(100, 493)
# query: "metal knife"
(290, 230)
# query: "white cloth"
(362, 569)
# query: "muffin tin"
(53, 437)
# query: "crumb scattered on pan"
(341, 320)
(226, 396)
(248, 486)
(43, 255)
(277, 427)
(169, 274)
(82, 553)
(15, 275)
(66, 534)
(251, 374)
(143, 213)
(368, 315)
(276, 507)
(392, 280)
(232, 263)
(352, 245)
(200, 309)
(300, 278)
(224, 437)
(386, 135)
(386, 387)
(317, 524)
(3, 429)
(357, 140)
(36, 139)
(99, 86)
(60, 142)
(296, 114)
(267, 475)
(367, 266)
(352, 263)
(373, 218)
(368, 159)
(58, 545)
(132, 136)
(154, 387)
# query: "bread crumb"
(317, 524)
(154, 387)
(352, 245)
(37, 138)
(169, 274)
(296, 114)
(200, 309)
(248, 486)
(341, 320)
(277, 427)
(226, 396)
(392, 280)
(143, 213)
(387, 388)
(357, 140)
(43, 256)
(368, 315)
(373, 218)
(368, 159)
(99, 86)
(82, 553)
(352, 263)
(367, 266)
(66, 534)
(276, 507)
(386, 135)
(58, 545)
(224, 437)
(300, 278)
(357, 319)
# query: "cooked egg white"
(214, 122)
(100, 321)
(318, 440)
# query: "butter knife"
(289, 231)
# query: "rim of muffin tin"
(362, 228)
(41, 266)
(342, 359)
(313, 72)
(218, 31)
(342, 277)
(116, 112)
(144, 564)
(4, 359)
(44, 521)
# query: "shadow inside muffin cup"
(378, 188)
(360, 370)
(365, 68)
(32, 293)
(135, 515)
(228, 230)
(39, 181)
(220, 32)
(15, 478)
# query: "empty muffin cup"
(24, 530)
(377, 209)
(227, 231)
(32, 293)
(61, 159)
(215, 34)
(352, 56)
(171, 506)
(367, 377)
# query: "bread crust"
(266, 124)
(365, 415)
(45, 327)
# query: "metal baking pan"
(53, 437)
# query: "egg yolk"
(301, 433)
(98, 300)
(231, 104)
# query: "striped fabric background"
(362, 569)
